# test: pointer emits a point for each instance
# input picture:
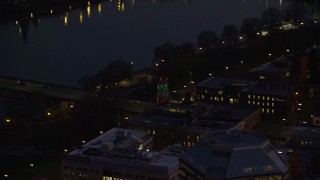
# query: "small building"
(273, 99)
(161, 123)
(233, 155)
(119, 154)
(304, 136)
(217, 116)
(278, 70)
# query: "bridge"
(9, 84)
(43, 89)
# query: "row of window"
(260, 103)
(262, 97)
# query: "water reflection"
(17, 12)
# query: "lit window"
(262, 110)
(248, 102)
(268, 98)
(263, 98)
(249, 96)
(272, 111)
(247, 170)
(154, 132)
(272, 99)
(258, 97)
(258, 103)
(253, 96)
(267, 104)
(253, 102)
(221, 99)
(267, 110)
(272, 104)
(231, 101)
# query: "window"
(249, 96)
(220, 92)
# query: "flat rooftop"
(315, 130)
(223, 116)
(240, 85)
(158, 117)
(235, 139)
(276, 66)
(234, 154)
(102, 151)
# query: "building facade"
(119, 154)
(273, 99)
(233, 155)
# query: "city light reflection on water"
(91, 35)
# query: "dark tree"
(114, 72)
(167, 51)
(230, 35)
(295, 13)
(271, 18)
(207, 40)
(249, 27)
(186, 50)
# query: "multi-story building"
(216, 117)
(233, 155)
(273, 99)
(162, 123)
(278, 70)
(304, 136)
(117, 155)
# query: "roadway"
(44, 89)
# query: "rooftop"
(276, 66)
(158, 117)
(240, 85)
(104, 151)
(234, 154)
(306, 129)
(223, 116)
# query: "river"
(62, 47)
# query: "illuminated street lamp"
(48, 113)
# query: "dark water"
(63, 47)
